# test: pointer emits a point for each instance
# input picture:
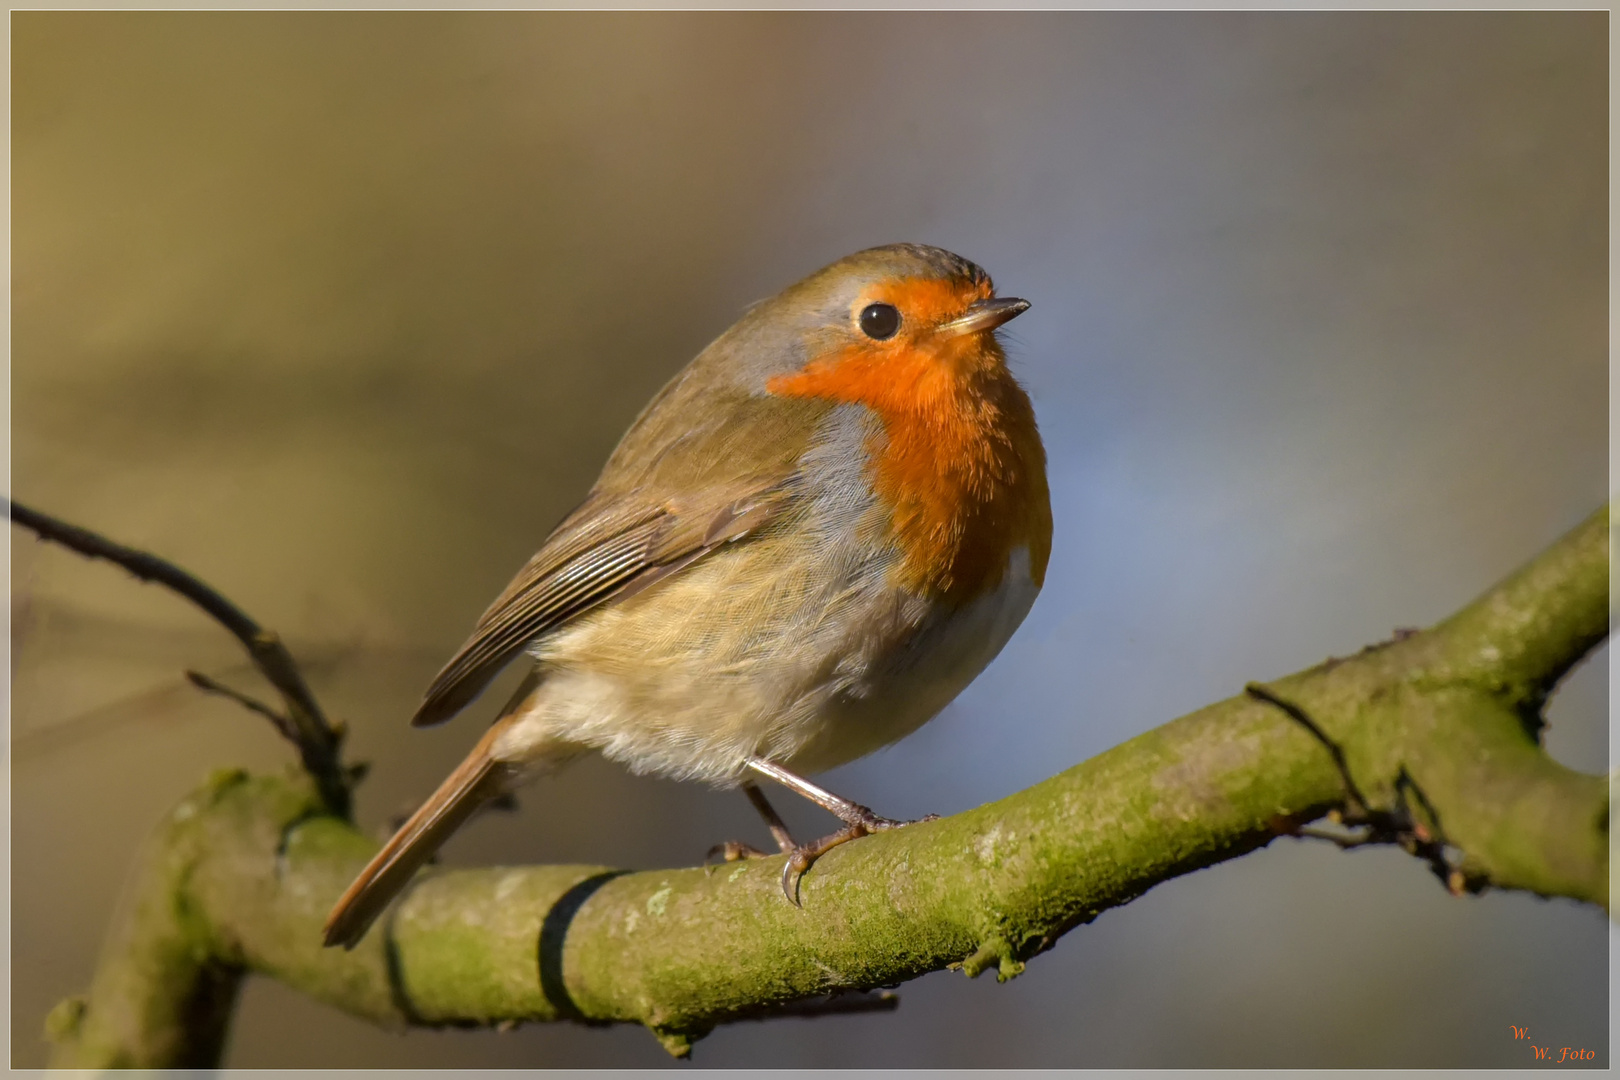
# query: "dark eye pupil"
(880, 320)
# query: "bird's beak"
(986, 315)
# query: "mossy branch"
(1438, 731)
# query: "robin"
(808, 543)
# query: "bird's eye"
(880, 321)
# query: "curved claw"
(801, 858)
(790, 879)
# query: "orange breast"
(959, 462)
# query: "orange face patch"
(961, 463)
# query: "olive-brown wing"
(609, 547)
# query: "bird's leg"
(858, 821)
(779, 830)
(732, 850)
(850, 813)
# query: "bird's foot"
(731, 851)
(861, 822)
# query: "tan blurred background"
(343, 311)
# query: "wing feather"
(610, 546)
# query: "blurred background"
(342, 312)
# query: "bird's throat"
(959, 461)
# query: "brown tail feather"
(475, 781)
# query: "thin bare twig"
(252, 704)
(1358, 802)
(858, 1001)
(1398, 826)
(317, 740)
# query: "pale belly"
(712, 671)
(910, 686)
